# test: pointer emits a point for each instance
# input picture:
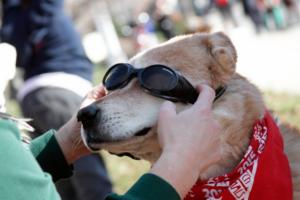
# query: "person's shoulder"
(14, 125)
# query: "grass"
(286, 106)
(125, 171)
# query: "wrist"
(186, 155)
(65, 146)
(178, 169)
(71, 144)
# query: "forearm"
(69, 139)
(50, 156)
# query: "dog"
(127, 117)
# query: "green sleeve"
(21, 176)
(148, 187)
(50, 157)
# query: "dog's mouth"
(142, 132)
(125, 154)
(98, 143)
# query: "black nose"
(89, 115)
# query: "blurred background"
(266, 34)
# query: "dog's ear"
(223, 53)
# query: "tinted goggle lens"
(158, 78)
(116, 76)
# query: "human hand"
(189, 140)
(69, 136)
(194, 128)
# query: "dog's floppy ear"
(223, 53)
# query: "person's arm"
(21, 176)
(50, 156)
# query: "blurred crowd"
(272, 14)
(163, 19)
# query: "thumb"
(206, 96)
(167, 111)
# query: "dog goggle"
(158, 80)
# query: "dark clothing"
(289, 3)
(44, 37)
(50, 107)
(95, 188)
(165, 25)
(148, 187)
(52, 160)
(255, 14)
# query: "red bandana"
(263, 173)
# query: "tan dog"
(128, 115)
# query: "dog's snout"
(89, 115)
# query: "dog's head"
(124, 121)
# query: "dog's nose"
(89, 115)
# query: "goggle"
(157, 80)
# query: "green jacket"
(25, 170)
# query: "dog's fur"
(201, 58)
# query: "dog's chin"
(115, 146)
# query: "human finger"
(206, 96)
(167, 111)
(95, 94)
(98, 92)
